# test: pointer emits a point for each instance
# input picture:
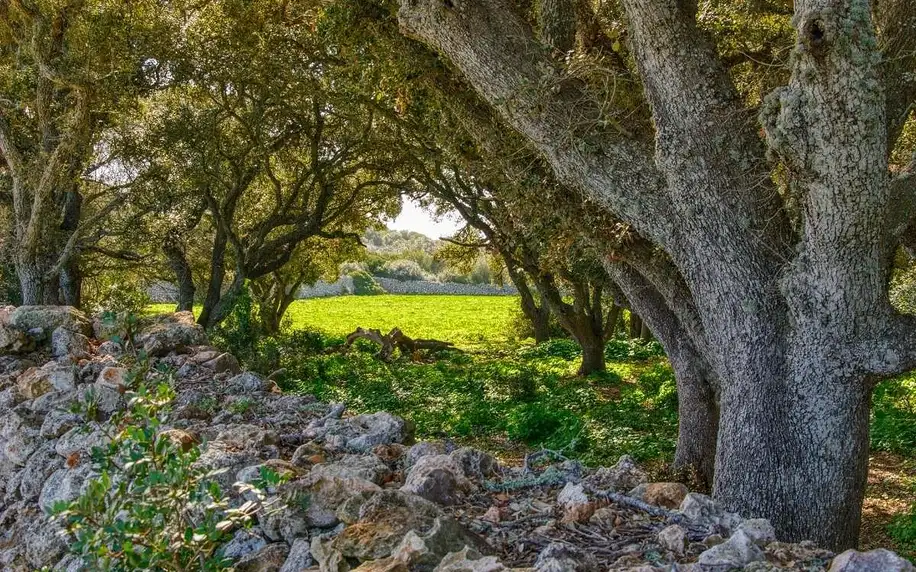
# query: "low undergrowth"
(526, 395)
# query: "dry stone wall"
(376, 501)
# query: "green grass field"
(469, 322)
(466, 321)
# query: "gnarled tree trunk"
(787, 305)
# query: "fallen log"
(397, 340)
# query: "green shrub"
(120, 295)
(893, 424)
(243, 335)
(150, 508)
(903, 530)
(632, 350)
(364, 284)
(563, 348)
(401, 269)
(539, 424)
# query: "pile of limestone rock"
(357, 493)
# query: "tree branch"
(498, 54)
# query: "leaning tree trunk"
(698, 409)
(790, 284)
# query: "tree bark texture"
(785, 307)
(184, 278)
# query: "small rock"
(67, 343)
(267, 559)
(437, 478)
(80, 439)
(759, 530)
(469, 560)
(673, 538)
(110, 348)
(737, 551)
(623, 476)
(243, 543)
(879, 560)
(37, 469)
(423, 449)
(300, 556)
(172, 332)
(57, 422)
(64, 485)
(667, 495)
(224, 363)
(246, 383)
(572, 495)
(557, 557)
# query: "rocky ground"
(376, 501)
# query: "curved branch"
(497, 52)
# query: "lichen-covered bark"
(790, 320)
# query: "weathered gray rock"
(110, 348)
(68, 343)
(879, 560)
(38, 468)
(223, 363)
(469, 560)
(244, 436)
(49, 318)
(268, 559)
(243, 543)
(248, 382)
(425, 551)
(622, 477)
(360, 433)
(19, 438)
(738, 551)
(12, 339)
(759, 530)
(35, 382)
(64, 484)
(80, 439)
(423, 449)
(300, 556)
(673, 538)
(557, 557)
(365, 467)
(476, 464)
(57, 422)
(437, 478)
(706, 512)
(43, 540)
(172, 332)
(572, 495)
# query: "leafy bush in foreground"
(150, 508)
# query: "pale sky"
(416, 218)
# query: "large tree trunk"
(33, 282)
(789, 285)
